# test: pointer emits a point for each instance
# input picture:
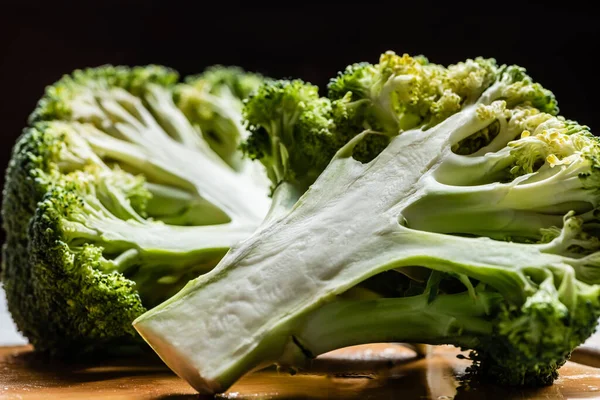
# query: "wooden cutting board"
(363, 372)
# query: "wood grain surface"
(361, 372)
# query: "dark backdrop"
(556, 42)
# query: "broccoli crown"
(297, 145)
(112, 193)
(548, 141)
(356, 79)
(86, 236)
(522, 89)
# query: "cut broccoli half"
(108, 208)
(481, 183)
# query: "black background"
(557, 43)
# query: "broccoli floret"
(290, 132)
(104, 192)
(404, 92)
(481, 183)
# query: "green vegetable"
(126, 185)
(479, 192)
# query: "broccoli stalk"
(114, 200)
(275, 297)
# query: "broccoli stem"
(156, 243)
(160, 258)
(177, 166)
(176, 206)
(284, 197)
(219, 135)
(173, 121)
(456, 319)
(219, 132)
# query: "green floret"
(357, 79)
(480, 185)
(524, 90)
(290, 132)
(81, 301)
(399, 93)
(39, 157)
(530, 343)
(402, 92)
(120, 132)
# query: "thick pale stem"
(456, 319)
(249, 303)
(514, 225)
(504, 136)
(167, 242)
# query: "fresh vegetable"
(127, 184)
(463, 180)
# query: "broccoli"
(115, 198)
(482, 194)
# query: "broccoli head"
(113, 200)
